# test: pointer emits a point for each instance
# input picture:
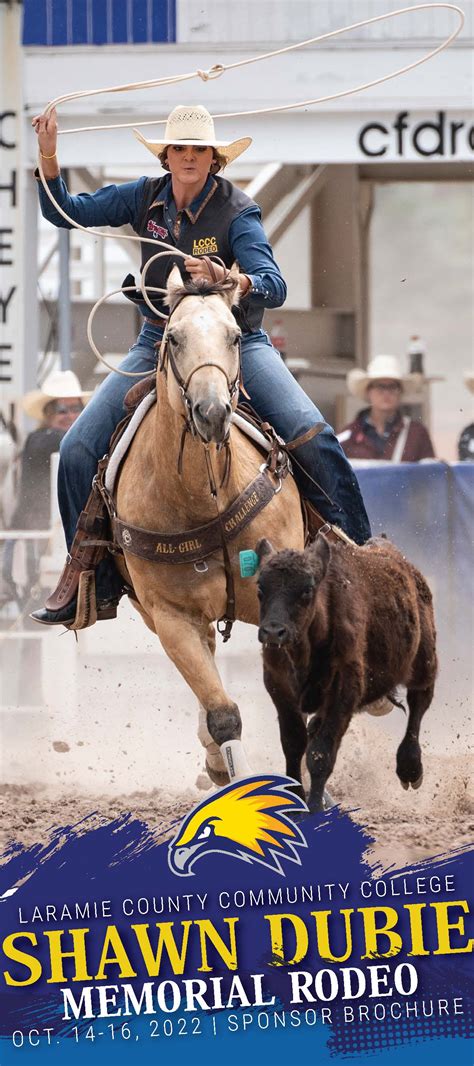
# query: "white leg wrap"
(235, 760)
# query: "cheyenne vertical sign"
(11, 361)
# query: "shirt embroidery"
(205, 246)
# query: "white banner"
(399, 136)
(11, 356)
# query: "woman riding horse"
(201, 214)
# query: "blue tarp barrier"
(427, 509)
(462, 528)
(410, 503)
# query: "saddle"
(100, 530)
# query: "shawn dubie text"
(163, 948)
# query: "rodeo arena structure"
(366, 199)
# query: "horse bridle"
(167, 358)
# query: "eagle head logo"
(251, 820)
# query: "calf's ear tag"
(249, 563)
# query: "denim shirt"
(117, 205)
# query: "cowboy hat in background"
(381, 368)
(469, 379)
(194, 125)
(59, 385)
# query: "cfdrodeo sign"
(442, 137)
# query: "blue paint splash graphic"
(124, 860)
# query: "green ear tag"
(248, 563)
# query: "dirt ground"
(406, 826)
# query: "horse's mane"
(203, 287)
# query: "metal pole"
(64, 297)
(64, 302)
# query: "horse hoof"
(416, 784)
(218, 777)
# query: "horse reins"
(166, 358)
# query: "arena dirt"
(406, 826)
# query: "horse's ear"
(173, 286)
(264, 549)
(232, 293)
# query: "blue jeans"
(276, 397)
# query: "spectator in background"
(466, 440)
(56, 406)
(381, 431)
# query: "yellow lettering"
(57, 955)
(165, 549)
(189, 546)
(240, 515)
(118, 958)
(228, 954)
(444, 927)
(23, 958)
(416, 928)
(205, 245)
(322, 930)
(276, 934)
(165, 940)
(372, 933)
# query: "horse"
(186, 461)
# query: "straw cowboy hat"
(381, 368)
(60, 384)
(469, 380)
(194, 125)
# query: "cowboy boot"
(74, 603)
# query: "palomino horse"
(177, 602)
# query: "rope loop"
(98, 355)
(209, 75)
(216, 71)
(219, 68)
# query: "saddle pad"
(123, 444)
(125, 441)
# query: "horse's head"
(203, 352)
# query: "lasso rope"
(221, 68)
(208, 75)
